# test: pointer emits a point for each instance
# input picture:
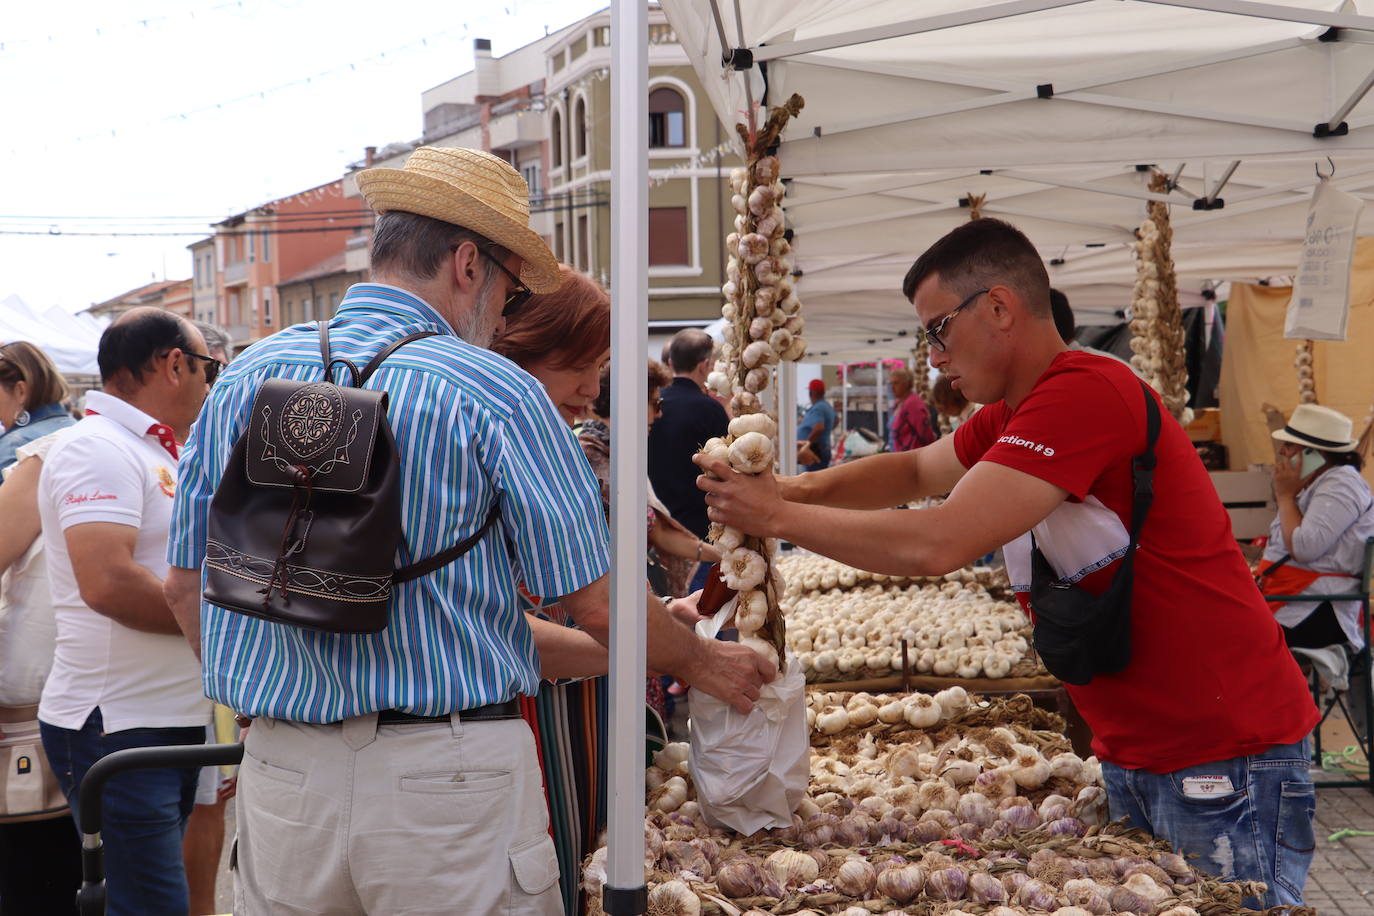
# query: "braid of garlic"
(1157, 340)
(1307, 383)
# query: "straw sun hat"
(472, 189)
(1320, 428)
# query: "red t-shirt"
(1210, 677)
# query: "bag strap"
(1143, 469)
(445, 557)
(375, 362)
(1281, 561)
(360, 378)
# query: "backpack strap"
(445, 557)
(329, 363)
(375, 362)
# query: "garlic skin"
(743, 569)
(751, 611)
(762, 648)
(753, 423)
(758, 353)
(792, 868)
(674, 898)
(719, 382)
(752, 453)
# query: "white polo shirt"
(113, 467)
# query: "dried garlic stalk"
(765, 327)
(1157, 322)
(1307, 384)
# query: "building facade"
(689, 169)
(173, 295)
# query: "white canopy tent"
(1047, 107)
(71, 341)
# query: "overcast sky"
(162, 115)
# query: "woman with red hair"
(563, 339)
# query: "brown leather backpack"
(306, 520)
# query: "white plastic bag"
(1320, 304)
(750, 771)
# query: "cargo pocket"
(536, 870)
(1295, 837)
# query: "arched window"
(667, 118)
(580, 129)
(556, 131)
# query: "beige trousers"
(351, 818)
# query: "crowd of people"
(414, 769)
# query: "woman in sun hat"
(1316, 542)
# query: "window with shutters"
(667, 118)
(668, 237)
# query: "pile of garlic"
(807, 572)
(951, 630)
(1156, 320)
(931, 819)
(1307, 383)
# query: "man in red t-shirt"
(1203, 736)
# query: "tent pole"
(787, 417)
(880, 403)
(625, 893)
(1360, 92)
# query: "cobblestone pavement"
(1341, 881)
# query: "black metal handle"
(90, 899)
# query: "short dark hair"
(131, 343)
(984, 253)
(1063, 316)
(21, 361)
(415, 246)
(1352, 458)
(688, 348)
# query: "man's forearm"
(897, 543)
(182, 591)
(131, 595)
(875, 482)
(565, 651)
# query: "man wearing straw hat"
(391, 772)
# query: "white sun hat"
(1320, 428)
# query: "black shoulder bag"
(305, 523)
(1079, 634)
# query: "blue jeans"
(144, 813)
(1260, 829)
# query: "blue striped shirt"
(470, 427)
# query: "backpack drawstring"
(286, 548)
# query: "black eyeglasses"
(212, 366)
(517, 297)
(935, 333)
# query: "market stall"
(1063, 116)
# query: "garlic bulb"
(743, 569)
(674, 898)
(754, 423)
(762, 648)
(746, 401)
(780, 340)
(756, 379)
(716, 450)
(903, 883)
(751, 610)
(758, 353)
(753, 248)
(719, 382)
(855, 878)
(832, 721)
(729, 538)
(760, 328)
(792, 868)
(752, 453)
(922, 711)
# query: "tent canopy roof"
(1047, 107)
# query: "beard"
(479, 325)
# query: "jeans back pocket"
(1294, 838)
